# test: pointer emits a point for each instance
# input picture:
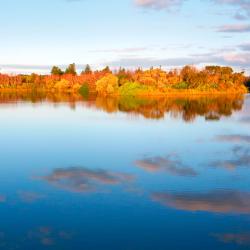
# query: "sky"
(123, 33)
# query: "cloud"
(79, 179)
(240, 17)
(245, 120)
(219, 57)
(159, 164)
(234, 59)
(234, 28)
(158, 4)
(125, 50)
(245, 46)
(215, 201)
(243, 6)
(233, 138)
(238, 238)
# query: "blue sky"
(127, 33)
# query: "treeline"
(154, 81)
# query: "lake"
(131, 174)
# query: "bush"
(107, 85)
(84, 90)
(181, 85)
(62, 84)
(131, 88)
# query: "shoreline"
(190, 92)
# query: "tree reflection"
(187, 108)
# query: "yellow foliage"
(62, 84)
(107, 85)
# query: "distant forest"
(154, 81)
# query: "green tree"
(87, 69)
(71, 69)
(107, 70)
(56, 71)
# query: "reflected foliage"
(179, 107)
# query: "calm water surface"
(124, 174)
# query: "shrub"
(84, 90)
(107, 85)
(132, 88)
(180, 85)
(62, 84)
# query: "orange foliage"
(211, 78)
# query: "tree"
(71, 69)
(56, 71)
(107, 70)
(87, 70)
(107, 85)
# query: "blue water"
(74, 176)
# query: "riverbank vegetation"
(188, 108)
(151, 82)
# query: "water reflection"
(80, 179)
(240, 151)
(2, 198)
(234, 138)
(167, 164)
(147, 185)
(212, 108)
(238, 238)
(241, 158)
(215, 201)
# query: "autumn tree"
(107, 85)
(87, 69)
(71, 69)
(56, 71)
(107, 70)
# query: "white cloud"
(158, 4)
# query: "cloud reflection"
(238, 238)
(215, 201)
(241, 156)
(80, 179)
(169, 165)
(2, 198)
(46, 236)
(234, 138)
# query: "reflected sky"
(108, 174)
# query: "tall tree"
(87, 70)
(71, 69)
(107, 70)
(56, 71)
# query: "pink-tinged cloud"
(79, 179)
(2, 198)
(237, 138)
(234, 202)
(234, 28)
(158, 4)
(238, 238)
(241, 158)
(168, 165)
(242, 7)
